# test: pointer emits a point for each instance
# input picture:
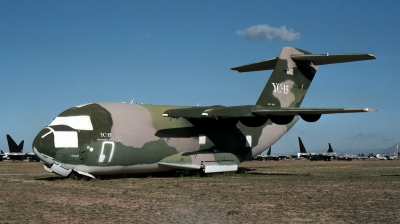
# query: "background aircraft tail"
(302, 148)
(13, 147)
(269, 151)
(330, 150)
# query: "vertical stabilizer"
(13, 147)
(330, 150)
(269, 151)
(302, 148)
(289, 81)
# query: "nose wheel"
(76, 176)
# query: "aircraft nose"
(44, 142)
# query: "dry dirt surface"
(295, 191)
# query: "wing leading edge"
(221, 112)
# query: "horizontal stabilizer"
(324, 59)
(257, 66)
(316, 59)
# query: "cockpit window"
(65, 139)
(76, 122)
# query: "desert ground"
(294, 191)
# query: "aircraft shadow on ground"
(276, 174)
(51, 178)
(122, 176)
(240, 171)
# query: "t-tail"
(302, 148)
(293, 72)
(330, 150)
(13, 147)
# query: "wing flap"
(212, 111)
(189, 112)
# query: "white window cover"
(248, 140)
(76, 122)
(202, 139)
(65, 139)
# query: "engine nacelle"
(310, 117)
(281, 120)
(253, 121)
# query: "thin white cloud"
(265, 32)
(146, 36)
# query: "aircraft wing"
(254, 111)
(308, 111)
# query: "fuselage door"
(106, 154)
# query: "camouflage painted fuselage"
(108, 138)
(113, 138)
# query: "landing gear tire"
(74, 176)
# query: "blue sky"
(59, 54)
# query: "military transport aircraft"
(117, 138)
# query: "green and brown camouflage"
(118, 138)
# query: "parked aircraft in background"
(381, 157)
(395, 155)
(315, 156)
(303, 152)
(2, 155)
(118, 138)
(363, 157)
(32, 157)
(15, 151)
(275, 157)
(347, 157)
